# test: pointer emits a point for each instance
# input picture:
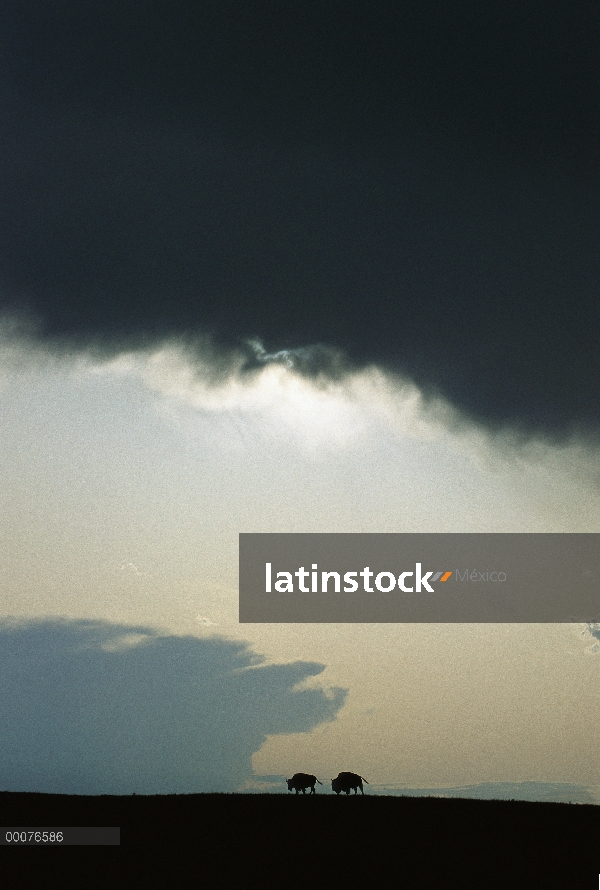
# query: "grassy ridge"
(174, 815)
(344, 835)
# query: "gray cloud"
(463, 264)
(93, 707)
(594, 631)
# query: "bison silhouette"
(347, 781)
(301, 781)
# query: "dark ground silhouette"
(312, 836)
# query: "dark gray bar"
(496, 578)
(59, 837)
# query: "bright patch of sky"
(126, 482)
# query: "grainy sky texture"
(270, 267)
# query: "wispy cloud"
(593, 631)
(308, 394)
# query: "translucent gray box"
(60, 837)
(495, 578)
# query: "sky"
(274, 268)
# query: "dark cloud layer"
(413, 184)
(83, 712)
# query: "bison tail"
(364, 780)
(320, 783)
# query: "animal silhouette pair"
(343, 782)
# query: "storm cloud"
(92, 707)
(411, 188)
